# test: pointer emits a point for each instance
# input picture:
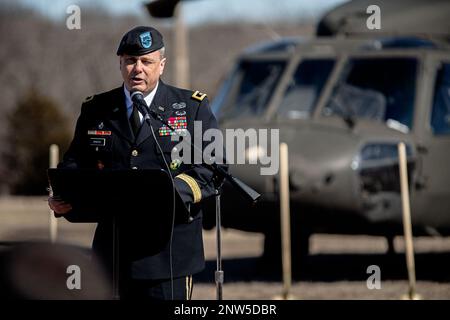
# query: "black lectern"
(137, 203)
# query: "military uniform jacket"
(106, 112)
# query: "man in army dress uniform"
(112, 134)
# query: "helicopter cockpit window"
(440, 117)
(305, 88)
(250, 89)
(376, 89)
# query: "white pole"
(285, 220)
(53, 222)
(407, 226)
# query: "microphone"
(138, 99)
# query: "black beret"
(139, 41)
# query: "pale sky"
(200, 11)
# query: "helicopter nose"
(326, 179)
(320, 168)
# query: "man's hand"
(58, 205)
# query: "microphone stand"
(219, 176)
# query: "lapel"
(160, 99)
(118, 118)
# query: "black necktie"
(135, 120)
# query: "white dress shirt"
(148, 100)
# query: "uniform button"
(134, 168)
(134, 153)
(175, 149)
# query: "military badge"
(197, 95)
(175, 164)
(146, 40)
(179, 105)
(177, 123)
(180, 112)
(101, 125)
(99, 133)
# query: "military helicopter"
(342, 101)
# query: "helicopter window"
(376, 89)
(440, 117)
(250, 88)
(305, 88)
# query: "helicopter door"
(434, 185)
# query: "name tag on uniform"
(97, 142)
(99, 133)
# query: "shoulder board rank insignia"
(197, 95)
(88, 98)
